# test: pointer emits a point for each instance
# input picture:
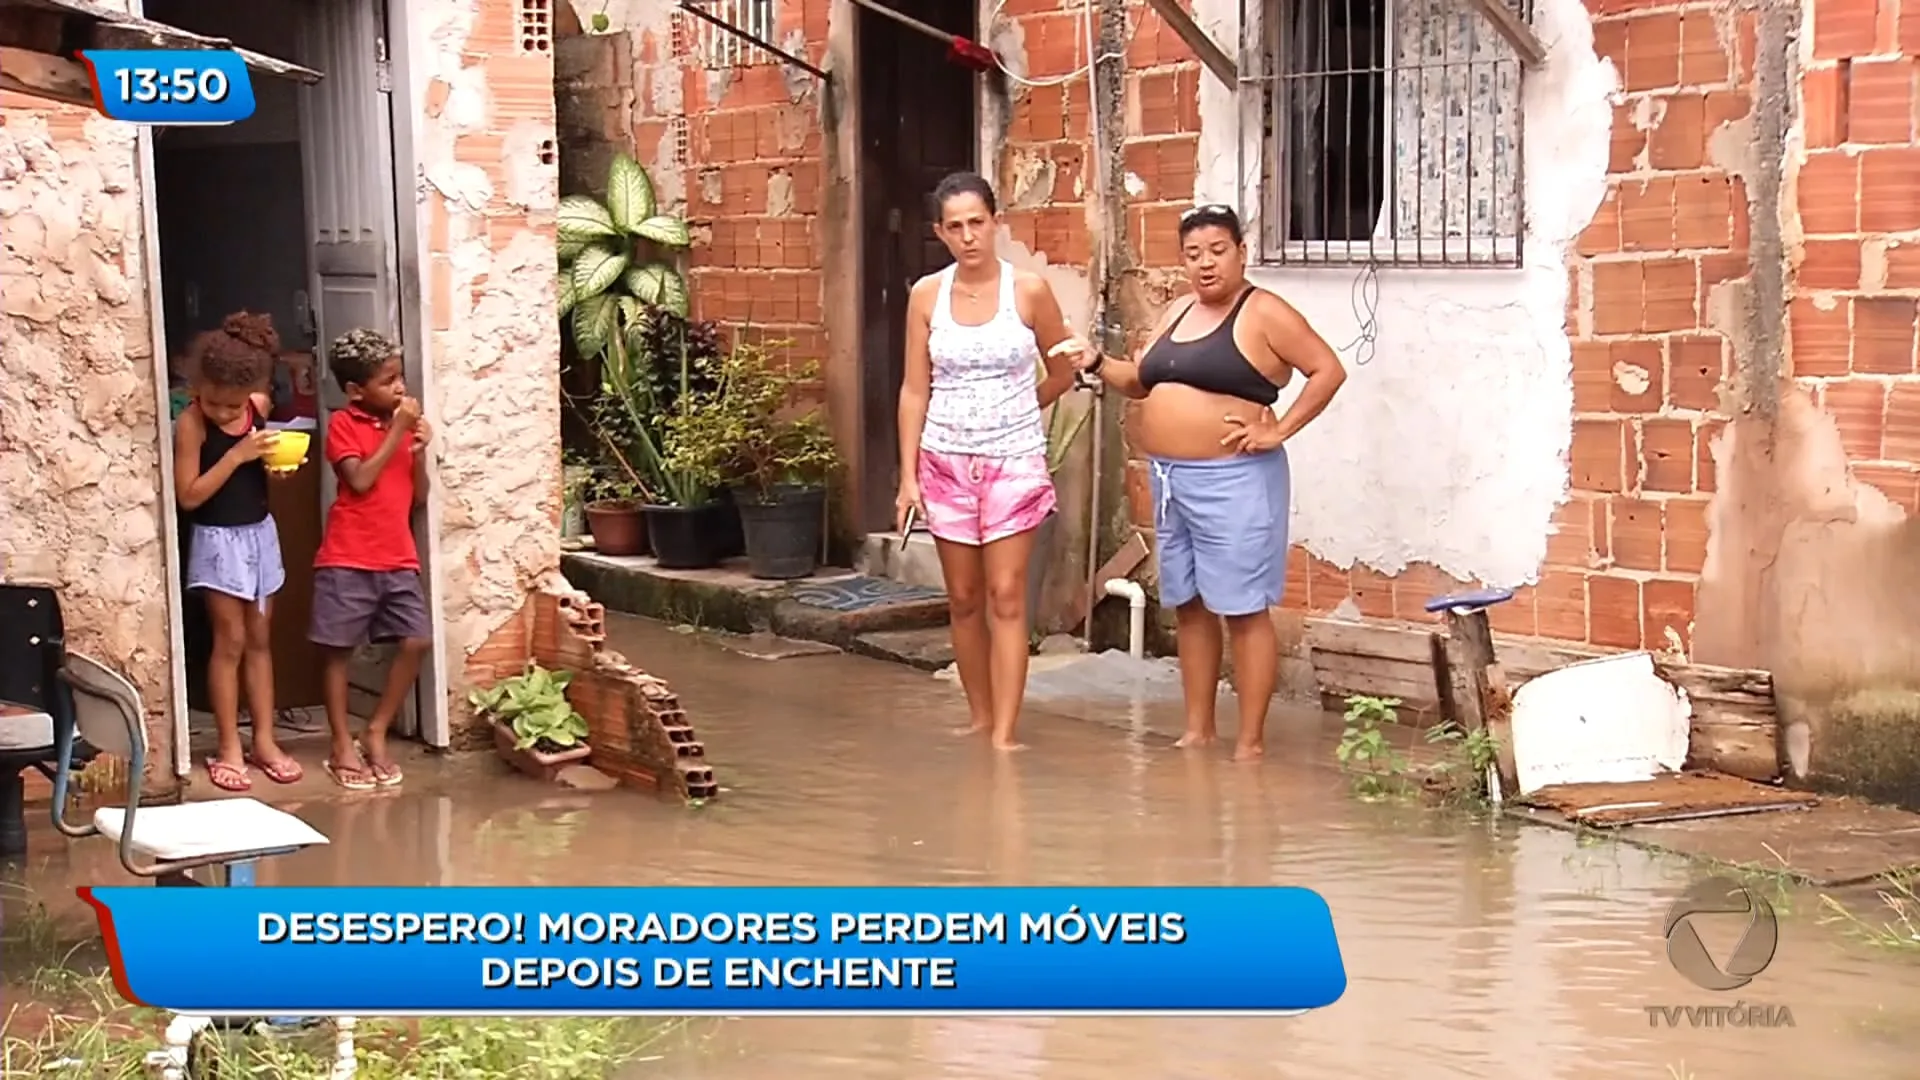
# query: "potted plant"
(615, 515)
(535, 728)
(775, 458)
(682, 352)
(617, 257)
(617, 282)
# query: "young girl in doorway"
(233, 559)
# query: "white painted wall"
(1448, 445)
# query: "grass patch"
(114, 1045)
(66, 1020)
(1895, 926)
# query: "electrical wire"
(1365, 301)
(1086, 69)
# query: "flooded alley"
(1473, 949)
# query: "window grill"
(1391, 133)
(536, 26)
(713, 48)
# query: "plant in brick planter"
(777, 458)
(535, 728)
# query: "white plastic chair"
(222, 838)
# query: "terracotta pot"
(618, 527)
(533, 761)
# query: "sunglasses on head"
(1209, 209)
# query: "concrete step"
(918, 563)
(929, 648)
(835, 605)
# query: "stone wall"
(79, 440)
(79, 461)
(487, 162)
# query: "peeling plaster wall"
(486, 198)
(79, 443)
(1816, 553)
(1457, 423)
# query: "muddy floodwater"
(1473, 949)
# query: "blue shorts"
(241, 561)
(1220, 530)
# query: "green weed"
(1897, 926)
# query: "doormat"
(1673, 797)
(862, 593)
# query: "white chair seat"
(24, 730)
(215, 827)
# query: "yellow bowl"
(289, 451)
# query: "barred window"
(1392, 134)
(714, 48)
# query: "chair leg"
(345, 1063)
(13, 812)
(181, 1031)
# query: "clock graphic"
(171, 86)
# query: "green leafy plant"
(617, 259)
(1467, 757)
(746, 432)
(534, 704)
(629, 419)
(1378, 770)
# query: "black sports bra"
(1213, 363)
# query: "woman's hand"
(253, 446)
(908, 499)
(1256, 436)
(1076, 349)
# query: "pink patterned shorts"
(977, 500)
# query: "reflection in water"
(1473, 949)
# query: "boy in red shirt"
(366, 578)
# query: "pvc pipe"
(1136, 614)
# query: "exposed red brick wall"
(1857, 276)
(1648, 359)
(638, 731)
(1623, 566)
(1651, 358)
(754, 173)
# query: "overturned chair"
(219, 840)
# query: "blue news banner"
(684, 951)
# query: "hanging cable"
(1365, 301)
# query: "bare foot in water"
(1193, 739)
(1243, 752)
(1007, 744)
(969, 730)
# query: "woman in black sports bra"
(1221, 489)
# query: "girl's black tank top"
(242, 500)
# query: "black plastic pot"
(685, 537)
(782, 530)
(732, 540)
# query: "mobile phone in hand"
(913, 512)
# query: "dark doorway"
(917, 125)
